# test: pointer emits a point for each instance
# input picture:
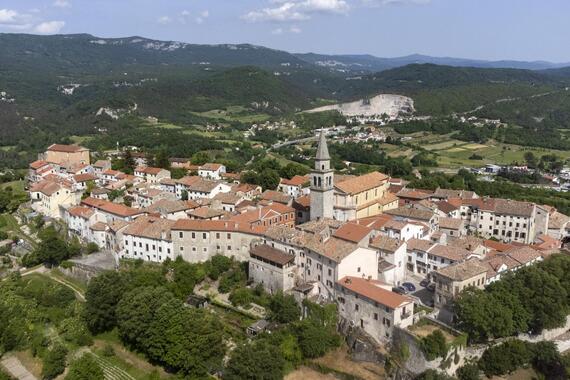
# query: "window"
(204, 235)
(229, 247)
(193, 235)
(181, 234)
(356, 307)
(358, 269)
(217, 235)
(375, 316)
(330, 272)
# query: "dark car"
(400, 290)
(431, 287)
(409, 286)
(424, 282)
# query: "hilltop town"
(391, 258)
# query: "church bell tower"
(322, 183)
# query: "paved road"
(15, 368)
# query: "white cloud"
(14, 20)
(296, 10)
(9, 16)
(62, 4)
(49, 27)
(185, 13)
(202, 17)
(277, 31)
(164, 20)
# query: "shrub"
(433, 345)
(241, 297)
(469, 371)
(54, 362)
(85, 368)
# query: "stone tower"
(322, 183)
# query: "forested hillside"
(53, 87)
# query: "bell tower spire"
(322, 182)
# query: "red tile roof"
(38, 164)
(372, 290)
(297, 180)
(84, 177)
(110, 207)
(66, 148)
(352, 232)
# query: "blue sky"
(485, 29)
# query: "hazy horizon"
(523, 30)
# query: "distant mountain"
(72, 84)
(84, 52)
(370, 63)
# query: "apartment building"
(48, 196)
(199, 240)
(505, 219)
(212, 171)
(148, 238)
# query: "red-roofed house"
(296, 186)
(372, 306)
(47, 196)
(152, 175)
(212, 171)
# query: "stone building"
(372, 306)
(272, 268)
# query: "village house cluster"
(353, 240)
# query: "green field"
(235, 113)
(454, 154)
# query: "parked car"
(400, 290)
(424, 282)
(409, 286)
(431, 287)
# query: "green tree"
(200, 158)
(129, 163)
(284, 308)
(161, 159)
(136, 311)
(85, 368)
(103, 294)
(505, 357)
(255, 361)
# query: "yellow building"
(67, 155)
(363, 196)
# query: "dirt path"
(15, 368)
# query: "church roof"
(322, 149)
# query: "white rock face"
(389, 104)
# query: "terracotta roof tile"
(66, 148)
(362, 183)
(271, 254)
(373, 290)
(352, 232)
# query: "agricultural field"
(454, 154)
(235, 113)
